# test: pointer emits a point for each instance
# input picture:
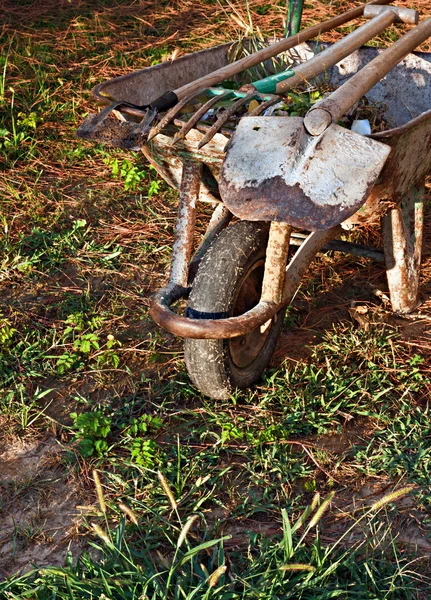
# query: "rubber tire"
(214, 294)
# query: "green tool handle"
(294, 17)
(268, 85)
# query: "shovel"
(310, 172)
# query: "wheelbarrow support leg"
(275, 263)
(402, 239)
(183, 241)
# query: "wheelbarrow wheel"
(229, 283)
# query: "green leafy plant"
(92, 430)
(143, 452)
(6, 333)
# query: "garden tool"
(177, 99)
(310, 172)
(381, 17)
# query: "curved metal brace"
(232, 327)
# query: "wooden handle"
(286, 44)
(332, 108)
(329, 57)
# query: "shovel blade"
(275, 171)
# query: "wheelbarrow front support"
(279, 284)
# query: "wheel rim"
(245, 349)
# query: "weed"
(92, 430)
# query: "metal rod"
(181, 134)
(223, 118)
(402, 239)
(296, 239)
(262, 107)
(184, 230)
(171, 114)
(275, 262)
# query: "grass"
(283, 491)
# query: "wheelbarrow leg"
(183, 241)
(402, 242)
(275, 263)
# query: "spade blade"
(275, 171)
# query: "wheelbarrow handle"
(331, 56)
(282, 46)
(332, 108)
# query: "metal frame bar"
(232, 327)
(185, 226)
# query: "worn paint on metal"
(275, 171)
(402, 242)
(185, 226)
(275, 262)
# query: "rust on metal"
(185, 226)
(224, 117)
(170, 115)
(275, 171)
(206, 328)
(410, 158)
(275, 262)
(232, 327)
(197, 116)
(402, 240)
(259, 110)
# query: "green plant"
(92, 430)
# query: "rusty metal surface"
(168, 163)
(410, 158)
(232, 327)
(170, 116)
(206, 328)
(275, 171)
(143, 86)
(181, 134)
(224, 118)
(185, 226)
(402, 240)
(276, 259)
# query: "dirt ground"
(40, 515)
(42, 504)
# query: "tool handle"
(332, 108)
(332, 55)
(286, 44)
(268, 85)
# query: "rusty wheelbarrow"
(236, 282)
